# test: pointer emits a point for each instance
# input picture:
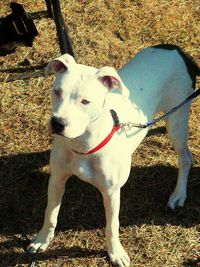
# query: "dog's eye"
(85, 102)
(57, 92)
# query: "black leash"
(149, 124)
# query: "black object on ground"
(16, 28)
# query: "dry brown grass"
(103, 32)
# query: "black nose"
(57, 125)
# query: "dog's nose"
(57, 125)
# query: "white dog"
(90, 142)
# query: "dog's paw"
(177, 199)
(117, 254)
(40, 242)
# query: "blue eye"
(85, 102)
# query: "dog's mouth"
(53, 132)
(66, 133)
(59, 134)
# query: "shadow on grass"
(192, 263)
(23, 194)
(24, 69)
(61, 253)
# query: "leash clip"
(129, 125)
(126, 126)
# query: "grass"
(103, 33)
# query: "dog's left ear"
(109, 77)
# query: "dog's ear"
(109, 77)
(60, 64)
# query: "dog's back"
(159, 78)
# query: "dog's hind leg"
(177, 127)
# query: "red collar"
(115, 128)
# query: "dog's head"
(79, 94)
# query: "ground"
(103, 33)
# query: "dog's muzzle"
(57, 125)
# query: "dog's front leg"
(115, 250)
(56, 190)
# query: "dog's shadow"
(13, 257)
(23, 195)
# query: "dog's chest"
(84, 168)
(94, 171)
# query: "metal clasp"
(129, 125)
